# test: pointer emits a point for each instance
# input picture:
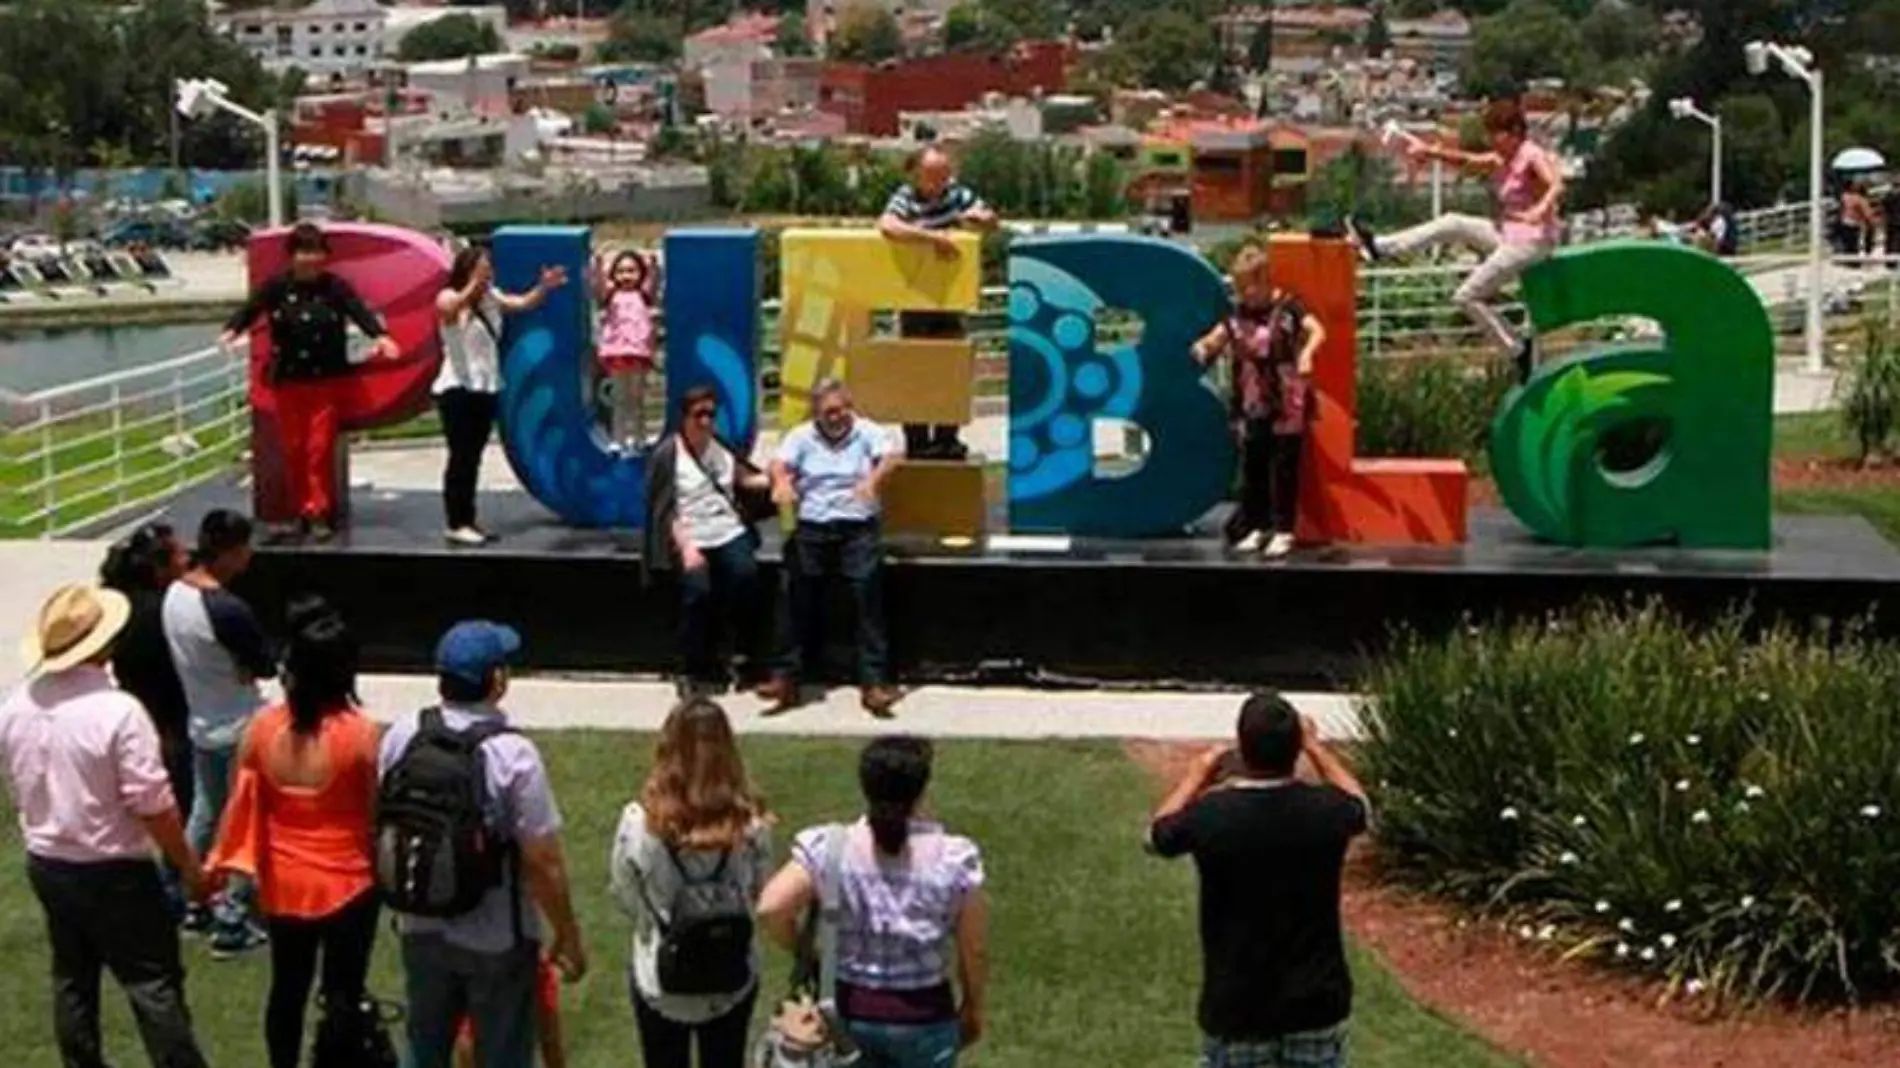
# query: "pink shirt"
(82, 763)
(1518, 191)
(626, 326)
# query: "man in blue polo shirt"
(833, 469)
(926, 209)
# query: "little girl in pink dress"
(625, 344)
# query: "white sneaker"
(1279, 546)
(1251, 543)
(466, 536)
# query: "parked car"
(152, 232)
(218, 235)
(33, 246)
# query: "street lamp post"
(1798, 62)
(1684, 108)
(198, 97)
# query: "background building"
(326, 37)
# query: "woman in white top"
(697, 826)
(697, 524)
(466, 388)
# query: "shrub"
(1429, 405)
(1870, 393)
(1695, 803)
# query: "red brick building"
(870, 98)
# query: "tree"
(1023, 19)
(640, 37)
(1527, 40)
(449, 37)
(867, 33)
(1167, 48)
(1104, 187)
(973, 28)
(1615, 33)
(598, 119)
(1378, 34)
(1260, 47)
(793, 38)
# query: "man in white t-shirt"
(833, 468)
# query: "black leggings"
(346, 938)
(1269, 479)
(666, 1044)
(467, 419)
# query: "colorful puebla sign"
(1704, 386)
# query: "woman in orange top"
(300, 824)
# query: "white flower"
(1626, 925)
(1622, 950)
(1567, 859)
(1754, 792)
(1668, 941)
(1682, 786)
(1762, 696)
(1741, 806)
(1547, 932)
(1694, 739)
(1748, 901)
(1694, 987)
(1526, 933)
(1602, 907)
(1509, 814)
(1871, 812)
(1637, 738)
(1579, 821)
(1701, 816)
(1673, 905)
(1648, 953)
(1451, 732)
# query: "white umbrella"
(1859, 159)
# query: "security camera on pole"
(1798, 62)
(200, 97)
(1685, 108)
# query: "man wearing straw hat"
(83, 767)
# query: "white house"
(480, 85)
(325, 37)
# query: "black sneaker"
(1363, 237)
(229, 943)
(197, 922)
(1525, 359)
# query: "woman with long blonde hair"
(689, 859)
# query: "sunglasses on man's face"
(703, 413)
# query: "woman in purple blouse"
(907, 888)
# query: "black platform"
(1175, 611)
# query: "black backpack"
(435, 853)
(706, 936)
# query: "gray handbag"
(807, 1032)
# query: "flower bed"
(1717, 809)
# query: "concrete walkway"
(29, 570)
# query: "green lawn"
(1823, 434)
(1095, 959)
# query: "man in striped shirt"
(924, 210)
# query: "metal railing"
(121, 442)
(109, 446)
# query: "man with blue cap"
(470, 942)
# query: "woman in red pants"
(308, 308)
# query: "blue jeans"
(496, 991)
(851, 548)
(211, 788)
(726, 589)
(906, 1045)
(1305, 1049)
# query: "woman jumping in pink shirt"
(1529, 189)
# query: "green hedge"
(1429, 405)
(1692, 802)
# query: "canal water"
(33, 360)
